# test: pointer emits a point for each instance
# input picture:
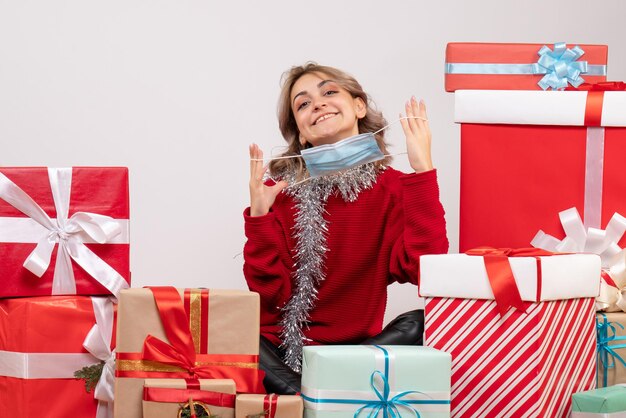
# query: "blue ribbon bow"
(388, 406)
(606, 353)
(560, 66)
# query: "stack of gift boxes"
(63, 233)
(542, 135)
(68, 348)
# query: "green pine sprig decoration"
(200, 412)
(91, 375)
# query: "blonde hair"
(371, 122)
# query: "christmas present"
(40, 355)
(164, 398)
(185, 333)
(526, 360)
(526, 156)
(345, 381)
(75, 216)
(611, 346)
(500, 66)
(609, 402)
(269, 406)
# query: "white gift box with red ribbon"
(513, 362)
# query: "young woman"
(329, 233)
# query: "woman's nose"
(319, 104)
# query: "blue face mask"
(345, 154)
(342, 155)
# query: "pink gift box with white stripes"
(520, 364)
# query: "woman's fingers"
(405, 125)
(257, 170)
(417, 133)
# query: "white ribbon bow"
(98, 342)
(68, 233)
(604, 243)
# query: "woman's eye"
(303, 105)
(331, 92)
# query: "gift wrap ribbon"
(193, 391)
(606, 335)
(179, 358)
(69, 233)
(381, 398)
(500, 274)
(587, 237)
(560, 67)
(64, 365)
(270, 405)
(594, 158)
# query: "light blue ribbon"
(388, 406)
(606, 353)
(559, 66)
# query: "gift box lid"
(350, 367)
(519, 66)
(464, 276)
(609, 399)
(517, 107)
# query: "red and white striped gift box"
(522, 364)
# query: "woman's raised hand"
(418, 136)
(262, 197)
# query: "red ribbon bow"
(500, 275)
(181, 352)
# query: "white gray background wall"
(176, 90)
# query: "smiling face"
(324, 111)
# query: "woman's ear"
(360, 107)
(302, 140)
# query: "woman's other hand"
(418, 136)
(262, 197)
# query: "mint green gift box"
(608, 402)
(339, 381)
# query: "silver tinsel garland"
(310, 233)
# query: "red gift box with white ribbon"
(526, 156)
(519, 324)
(64, 231)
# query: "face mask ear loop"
(393, 123)
(276, 158)
(299, 182)
(398, 120)
(281, 158)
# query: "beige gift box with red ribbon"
(185, 334)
